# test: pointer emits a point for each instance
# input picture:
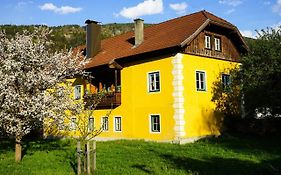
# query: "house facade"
(159, 79)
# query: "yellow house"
(159, 79)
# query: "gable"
(229, 48)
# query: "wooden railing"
(110, 100)
(107, 101)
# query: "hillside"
(70, 36)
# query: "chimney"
(138, 31)
(93, 38)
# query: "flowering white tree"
(27, 70)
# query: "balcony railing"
(107, 101)
(111, 99)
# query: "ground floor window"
(91, 124)
(105, 123)
(117, 123)
(155, 123)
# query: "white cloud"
(147, 7)
(248, 33)
(233, 3)
(180, 8)
(228, 12)
(277, 7)
(60, 10)
(277, 26)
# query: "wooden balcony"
(109, 100)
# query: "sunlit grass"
(226, 155)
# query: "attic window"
(207, 41)
(217, 44)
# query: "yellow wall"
(200, 119)
(137, 103)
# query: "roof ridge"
(179, 17)
(209, 13)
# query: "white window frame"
(116, 129)
(217, 44)
(105, 126)
(149, 83)
(225, 85)
(91, 127)
(77, 96)
(208, 42)
(73, 124)
(204, 88)
(150, 124)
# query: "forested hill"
(70, 36)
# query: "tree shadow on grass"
(221, 166)
(7, 145)
(143, 168)
(247, 144)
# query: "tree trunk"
(18, 149)
(78, 158)
(94, 157)
(88, 159)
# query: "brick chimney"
(93, 38)
(139, 36)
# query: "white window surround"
(91, 124)
(200, 89)
(120, 123)
(150, 88)
(225, 80)
(208, 42)
(150, 124)
(217, 43)
(104, 124)
(77, 92)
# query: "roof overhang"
(209, 22)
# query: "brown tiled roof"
(167, 34)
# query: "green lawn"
(219, 156)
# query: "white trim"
(217, 41)
(178, 92)
(107, 123)
(81, 90)
(120, 122)
(208, 41)
(148, 82)
(91, 117)
(150, 129)
(206, 86)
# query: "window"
(105, 123)
(217, 44)
(91, 124)
(200, 81)
(72, 124)
(225, 78)
(117, 123)
(155, 123)
(207, 41)
(77, 92)
(154, 81)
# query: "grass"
(225, 155)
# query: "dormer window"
(217, 44)
(207, 41)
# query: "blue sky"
(247, 15)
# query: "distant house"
(159, 79)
